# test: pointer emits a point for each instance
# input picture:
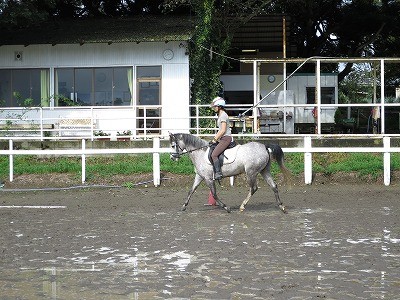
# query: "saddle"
(227, 157)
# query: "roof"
(135, 29)
(263, 33)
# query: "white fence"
(307, 149)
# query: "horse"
(252, 158)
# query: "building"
(132, 70)
(113, 76)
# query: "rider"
(223, 136)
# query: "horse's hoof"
(241, 209)
(183, 208)
(228, 209)
(283, 209)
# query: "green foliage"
(363, 164)
(124, 133)
(10, 117)
(61, 100)
(357, 86)
(101, 133)
(205, 66)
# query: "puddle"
(310, 252)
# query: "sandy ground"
(339, 240)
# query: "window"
(327, 95)
(18, 85)
(94, 86)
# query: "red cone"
(211, 200)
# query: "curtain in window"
(130, 82)
(56, 96)
(44, 88)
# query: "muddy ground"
(339, 240)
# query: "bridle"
(179, 151)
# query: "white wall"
(298, 85)
(90, 55)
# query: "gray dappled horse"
(251, 158)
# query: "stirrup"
(218, 176)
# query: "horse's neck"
(196, 156)
(192, 145)
(196, 149)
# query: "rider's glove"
(212, 142)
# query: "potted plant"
(101, 135)
(124, 135)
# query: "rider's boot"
(217, 169)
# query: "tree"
(25, 13)
(216, 22)
(339, 28)
(334, 28)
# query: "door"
(149, 100)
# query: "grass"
(362, 164)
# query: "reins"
(190, 151)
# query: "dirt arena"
(337, 241)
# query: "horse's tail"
(277, 153)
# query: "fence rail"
(156, 150)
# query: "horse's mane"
(192, 140)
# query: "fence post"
(11, 160)
(307, 160)
(386, 160)
(41, 124)
(197, 120)
(83, 161)
(156, 161)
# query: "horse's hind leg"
(266, 174)
(252, 182)
(197, 180)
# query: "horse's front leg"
(197, 180)
(211, 185)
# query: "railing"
(49, 123)
(93, 122)
(307, 149)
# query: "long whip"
(241, 115)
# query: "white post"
(11, 159)
(156, 161)
(386, 160)
(83, 161)
(256, 95)
(232, 180)
(307, 160)
(92, 120)
(382, 96)
(319, 112)
(197, 120)
(41, 124)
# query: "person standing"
(223, 137)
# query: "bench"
(75, 127)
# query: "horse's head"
(176, 147)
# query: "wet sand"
(338, 241)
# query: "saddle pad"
(230, 155)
